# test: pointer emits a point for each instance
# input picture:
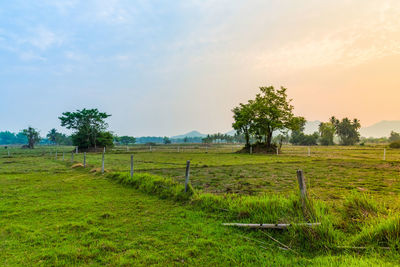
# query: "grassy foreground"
(51, 214)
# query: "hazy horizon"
(165, 69)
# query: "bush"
(395, 144)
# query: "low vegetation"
(148, 218)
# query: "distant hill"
(380, 129)
(190, 134)
(311, 127)
(231, 133)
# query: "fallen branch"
(270, 225)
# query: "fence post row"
(131, 165)
(187, 175)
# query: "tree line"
(268, 121)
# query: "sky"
(163, 68)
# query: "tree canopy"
(269, 112)
(89, 126)
(347, 130)
(32, 135)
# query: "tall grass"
(362, 220)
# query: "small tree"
(32, 135)
(52, 135)
(166, 140)
(327, 133)
(394, 136)
(347, 130)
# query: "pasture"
(52, 214)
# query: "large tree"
(89, 126)
(32, 135)
(269, 112)
(347, 130)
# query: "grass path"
(58, 216)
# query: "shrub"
(395, 144)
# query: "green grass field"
(52, 214)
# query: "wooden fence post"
(76, 150)
(302, 184)
(102, 163)
(187, 175)
(63, 155)
(72, 157)
(84, 159)
(131, 165)
(251, 149)
(384, 154)
(55, 157)
(8, 151)
(309, 151)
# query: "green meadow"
(55, 212)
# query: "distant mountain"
(231, 133)
(311, 127)
(190, 134)
(380, 129)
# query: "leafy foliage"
(299, 138)
(125, 140)
(394, 136)
(270, 111)
(32, 135)
(347, 130)
(7, 138)
(58, 138)
(327, 133)
(395, 144)
(89, 126)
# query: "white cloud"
(43, 38)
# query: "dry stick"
(102, 163)
(280, 243)
(270, 225)
(254, 240)
(187, 175)
(84, 159)
(131, 165)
